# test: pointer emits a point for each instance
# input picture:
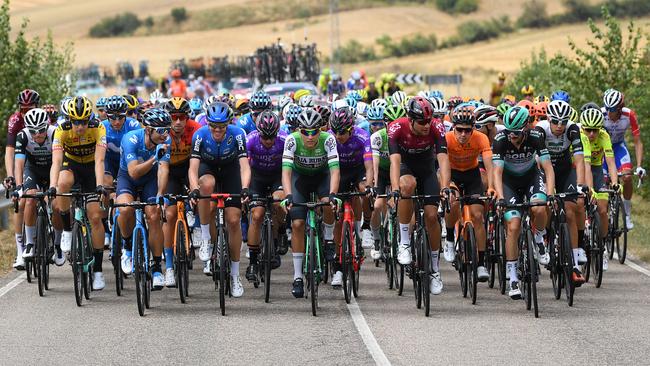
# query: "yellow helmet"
(300, 93)
(541, 98)
(502, 76)
(80, 108)
(178, 105)
(574, 115)
(511, 98)
(364, 94)
(131, 102)
(527, 90)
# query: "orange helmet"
(528, 105)
(540, 109)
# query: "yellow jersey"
(80, 149)
(594, 151)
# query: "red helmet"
(419, 109)
(28, 97)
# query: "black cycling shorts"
(565, 182)
(426, 180)
(351, 177)
(35, 178)
(468, 183)
(383, 181)
(84, 177)
(302, 186)
(264, 184)
(177, 182)
(516, 188)
(228, 180)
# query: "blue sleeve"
(167, 155)
(129, 147)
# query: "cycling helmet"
(516, 118)
(541, 110)
(177, 105)
(156, 117)
(510, 100)
(63, 107)
(145, 105)
(101, 103)
(363, 93)
(227, 98)
(362, 109)
(463, 115)
(196, 105)
(306, 101)
(242, 106)
(454, 101)
(52, 113)
(590, 105)
(131, 102)
(592, 118)
(36, 119)
(219, 112)
(80, 108)
(268, 123)
(541, 98)
(325, 112)
(309, 119)
(342, 119)
(299, 94)
(156, 95)
(429, 94)
(116, 104)
(291, 115)
(485, 114)
(574, 115)
(419, 109)
(211, 99)
(393, 112)
(28, 97)
(501, 75)
(133, 90)
(355, 95)
(284, 101)
(375, 114)
(260, 101)
(561, 95)
(527, 90)
(502, 109)
(398, 98)
(528, 105)
(351, 102)
(612, 98)
(559, 110)
(439, 105)
(379, 102)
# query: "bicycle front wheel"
(180, 261)
(224, 280)
(348, 270)
(267, 247)
(472, 262)
(597, 252)
(42, 260)
(532, 272)
(425, 271)
(566, 256)
(621, 233)
(116, 253)
(76, 256)
(139, 271)
(311, 273)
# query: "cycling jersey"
(114, 137)
(562, 147)
(80, 149)
(417, 149)
(363, 124)
(379, 145)
(310, 161)
(38, 156)
(262, 159)
(134, 149)
(519, 161)
(181, 146)
(465, 157)
(14, 125)
(178, 88)
(356, 150)
(594, 150)
(246, 123)
(201, 119)
(214, 153)
(616, 129)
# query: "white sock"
(57, 237)
(435, 264)
(205, 232)
(375, 233)
(19, 243)
(628, 207)
(30, 233)
(539, 235)
(329, 231)
(404, 237)
(234, 269)
(297, 265)
(511, 266)
(575, 258)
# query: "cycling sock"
(539, 236)
(19, 244)
(297, 265)
(511, 267)
(358, 228)
(366, 223)
(30, 233)
(234, 269)
(169, 258)
(57, 238)
(581, 238)
(99, 256)
(128, 244)
(156, 264)
(336, 266)
(107, 230)
(329, 231)
(65, 216)
(628, 207)
(450, 234)
(205, 232)
(375, 233)
(575, 258)
(435, 264)
(481, 258)
(254, 252)
(404, 238)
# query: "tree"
(179, 15)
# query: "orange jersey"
(182, 146)
(465, 157)
(178, 88)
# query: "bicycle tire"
(533, 275)
(612, 218)
(224, 282)
(472, 250)
(41, 249)
(180, 261)
(313, 283)
(501, 262)
(461, 263)
(621, 248)
(139, 271)
(116, 250)
(356, 266)
(87, 258)
(267, 247)
(566, 257)
(415, 255)
(555, 260)
(77, 263)
(425, 272)
(597, 252)
(348, 271)
(28, 269)
(397, 277)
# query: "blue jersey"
(114, 138)
(211, 152)
(134, 149)
(246, 123)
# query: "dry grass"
(638, 242)
(7, 251)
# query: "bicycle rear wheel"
(87, 258)
(76, 256)
(500, 236)
(414, 269)
(348, 271)
(597, 252)
(566, 255)
(116, 253)
(461, 263)
(180, 262)
(356, 266)
(621, 232)
(267, 248)
(472, 257)
(555, 263)
(139, 271)
(42, 259)
(532, 275)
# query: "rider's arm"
(368, 162)
(498, 162)
(19, 168)
(611, 169)
(129, 147)
(100, 155)
(245, 171)
(544, 160)
(333, 163)
(606, 143)
(547, 166)
(444, 169)
(193, 173)
(19, 159)
(578, 153)
(9, 160)
(638, 144)
(163, 177)
(393, 132)
(287, 163)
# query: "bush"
(354, 52)
(119, 25)
(534, 15)
(417, 43)
(179, 15)
(457, 6)
(148, 22)
(475, 31)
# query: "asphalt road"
(610, 325)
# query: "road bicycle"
(267, 243)
(350, 254)
(182, 246)
(495, 246)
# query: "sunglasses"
(591, 130)
(422, 122)
(309, 132)
(37, 132)
(179, 116)
(463, 130)
(613, 109)
(378, 124)
(267, 137)
(515, 132)
(162, 130)
(115, 117)
(80, 122)
(479, 126)
(342, 132)
(218, 126)
(557, 122)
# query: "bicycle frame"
(140, 226)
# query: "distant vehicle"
(277, 90)
(242, 88)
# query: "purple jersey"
(356, 150)
(263, 159)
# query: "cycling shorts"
(351, 177)
(426, 180)
(383, 181)
(621, 156)
(516, 188)
(566, 182)
(227, 180)
(111, 167)
(84, 177)
(264, 184)
(301, 188)
(144, 188)
(33, 178)
(598, 175)
(177, 182)
(468, 183)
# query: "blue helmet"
(219, 112)
(354, 94)
(115, 104)
(375, 113)
(196, 105)
(156, 117)
(260, 101)
(351, 102)
(101, 103)
(561, 95)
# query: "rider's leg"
(233, 219)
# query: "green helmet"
(516, 118)
(393, 112)
(502, 109)
(574, 115)
(592, 118)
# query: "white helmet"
(36, 119)
(439, 105)
(362, 109)
(612, 98)
(379, 102)
(306, 101)
(558, 110)
(398, 98)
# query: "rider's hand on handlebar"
(245, 195)
(51, 192)
(640, 172)
(17, 193)
(371, 191)
(617, 187)
(194, 196)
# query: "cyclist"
(78, 152)
(381, 170)
(335, 86)
(143, 174)
(291, 114)
(28, 99)
(527, 91)
(497, 89)
(264, 147)
(562, 139)
(414, 144)
(260, 102)
(598, 145)
(33, 162)
(618, 119)
(516, 174)
(464, 146)
(182, 130)
(132, 104)
(310, 163)
(219, 163)
(100, 106)
(177, 86)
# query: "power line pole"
(334, 34)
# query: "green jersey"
(379, 144)
(310, 161)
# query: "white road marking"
(16, 281)
(366, 334)
(637, 268)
